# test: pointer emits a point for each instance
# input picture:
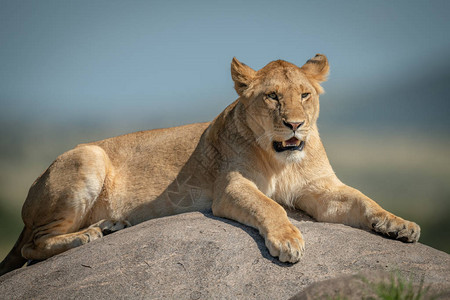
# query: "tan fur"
(229, 165)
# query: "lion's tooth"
(283, 144)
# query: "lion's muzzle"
(291, 144)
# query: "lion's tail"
(14, 259)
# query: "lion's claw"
(397, 228)
(286, 243)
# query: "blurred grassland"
(408, 174)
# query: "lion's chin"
(292, 144)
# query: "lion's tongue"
(292, 142)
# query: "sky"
(168, 62)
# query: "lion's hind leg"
(48, 240)
(110, 226)
(45, 245)
(58, 209)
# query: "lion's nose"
(293, 125)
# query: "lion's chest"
(285, 188)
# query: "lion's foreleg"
(339, 203)
(239, 199)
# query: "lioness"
(261, 152)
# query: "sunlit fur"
(229, 165)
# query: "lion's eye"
(305, 95)
(273, 96)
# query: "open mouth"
(290, 144)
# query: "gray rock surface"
(366, 284)
(199, 256)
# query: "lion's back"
(151, 159)
(159, 145)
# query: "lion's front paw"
(397, 228)
(286, 242)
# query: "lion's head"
(281, 102)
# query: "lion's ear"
(317, 67)
(242, 75)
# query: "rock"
(199, 256)
(365, 284)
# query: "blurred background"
(78, 71)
